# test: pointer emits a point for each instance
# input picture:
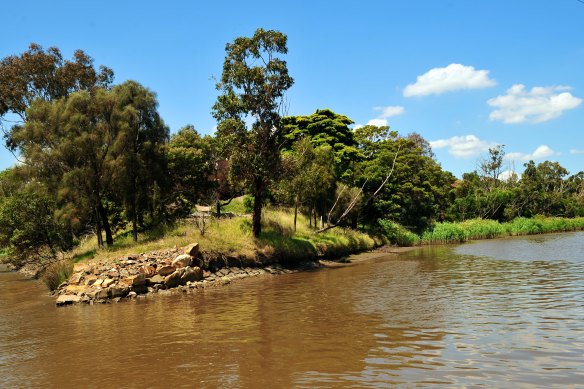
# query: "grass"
(278, 240)
(447, 232)
(56, 273)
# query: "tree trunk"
(98, 229)
(295, 212)
(258, 188)
(135, 225)
(109, 240)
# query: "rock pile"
(137, 275)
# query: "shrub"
(398, 234)
(445, 233)
(56, 273)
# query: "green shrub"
(248, 203)
(483, 229)
(398, 234)
(56, 273)
(445, 233)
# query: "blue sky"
(466, 75)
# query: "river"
(498, 313)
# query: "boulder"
(66, 299)
(192, 250)
(75, 279)
(107, 282)
(182, 260)
(174, 279)
(116, 291)
(157, 279)
(166, 270)
(135, 280)
(192, 274)
(147, 270)
(98, 282)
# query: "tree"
(308, 176)
(492, 166)
(252, 86)
(191, 166)
(324, 127)
(417, 191)
(28, 227)
(139, 165)
(45, 75)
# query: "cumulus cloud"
(386, 112)
(377, 122)
(537, 105)
(453, 77)
(575, 151)
(389, 111)
(465, 146)
(541, 152)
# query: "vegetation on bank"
(101, 174)
(475, 229)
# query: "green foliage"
(418, 191)
(398, 234)
(56, 273)
(248, 203)
(44, 74)
(191, 164)
(326, 128)
(28, 228)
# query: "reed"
(445, 233)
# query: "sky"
(466, 75)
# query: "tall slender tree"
(252, 88)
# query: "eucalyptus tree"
(43, 74)
(249, 108)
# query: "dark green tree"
(138, 158)
(191, 164)
(28, 227)
(325, 127)
(252, 87)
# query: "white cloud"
(541, 152)
(451, 78)
(389, 111)
(575, 151)
(377, 122)
(466, 146)
(537, 105)
(386, 112)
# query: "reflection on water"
(492, 313)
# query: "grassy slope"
(233, 237)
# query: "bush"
(56, 273)
(248, 203)
(483, 229)
(445, 233)
(398, 234)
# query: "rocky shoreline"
(167, 271)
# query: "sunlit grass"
(233, 237)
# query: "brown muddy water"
(501, 313)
